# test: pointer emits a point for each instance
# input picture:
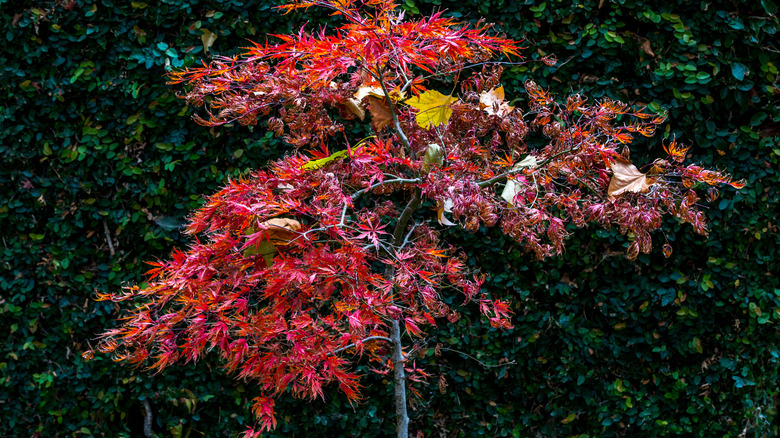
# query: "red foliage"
(289, 304)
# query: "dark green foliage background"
(94, 145)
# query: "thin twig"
(406, 239)
(558, 66)
(468, 66)
(503, 176)
(343, 214)
(512, 362)
(370, 338)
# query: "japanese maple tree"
(331, 255)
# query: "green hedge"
(95, 146)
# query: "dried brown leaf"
(364, 92)
(488, 101)
(281, 230)
(627, 178)
(445, 207)
(513, 186)
(381, 115)
(646, 47)
(355, 107)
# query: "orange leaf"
(627, 178)
(675, 151)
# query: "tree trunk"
(399, 381)
(399, 375)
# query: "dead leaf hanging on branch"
(381, 115)
(444, 207)
(357, 104)
(492, 102)
(627, 178)
(281, 231)
(355, 107)
(513, 185)
(272, 233)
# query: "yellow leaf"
(627, 178)
(316, 164)
(434, 108)
(697, 345)
(266, 250)
(569, 418)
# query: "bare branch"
(370, 338)
(380, 184)
(483, 364)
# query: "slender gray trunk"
(399, 381)
(399, 375)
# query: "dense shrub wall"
(100, 164)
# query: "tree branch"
(108, 239)
(503, 176)
(370, 338)
(396, 123)
(406, 239)
(403, 220)
(548, 160)
(484, 365)
(380, 184)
